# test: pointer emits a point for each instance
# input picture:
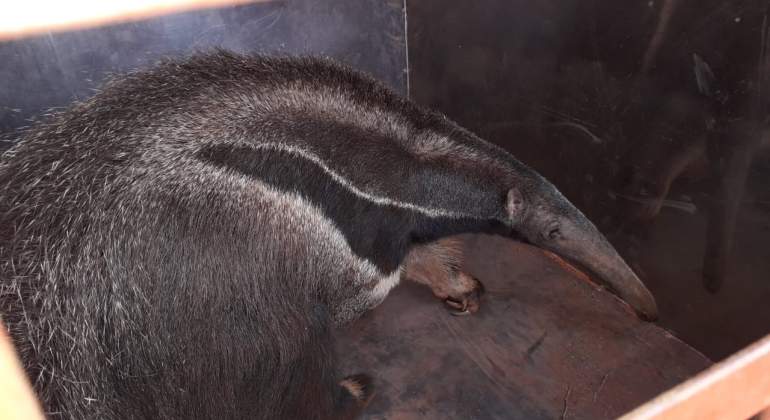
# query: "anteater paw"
(468, 302)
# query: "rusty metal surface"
(545, 345)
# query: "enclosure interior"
(650, 116)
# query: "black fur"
(380, 233)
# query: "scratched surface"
(545, 345)
(601, 97)
(53, 70)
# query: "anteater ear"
(515, 203)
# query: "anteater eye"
(554, 233)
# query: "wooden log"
(547, 343)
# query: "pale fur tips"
(357, 393)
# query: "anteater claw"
(463, 306)
(463, 313)
(467, 303)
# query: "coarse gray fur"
(184, 243)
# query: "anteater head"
(538, 212)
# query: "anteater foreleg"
(437, 265)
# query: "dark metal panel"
(56, 69)
(602, 97)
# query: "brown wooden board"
(733, 389)
(545, 345)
